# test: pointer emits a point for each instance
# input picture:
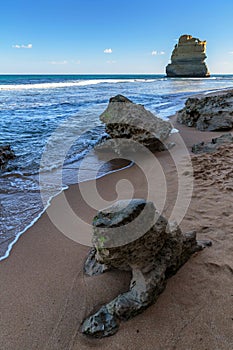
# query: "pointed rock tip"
(120, 98)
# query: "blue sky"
(109, 36)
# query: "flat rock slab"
(209, 147)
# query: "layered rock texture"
(188, 58)
(132, 235)
(126, 120)
(6, 153)
(210, 113)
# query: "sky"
(110, 36)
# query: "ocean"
(40, 112)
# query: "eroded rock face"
(6, 153)
(126, 120)
(188, 58)
(210, 147)
(210, 113)
(132, 235)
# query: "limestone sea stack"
(188, 58)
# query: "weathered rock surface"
(126, 120)
(210, 113)
(188, 58)
(6, 153)
(132, 235)
(209, 147)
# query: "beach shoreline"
(45, 113)
(45, 296)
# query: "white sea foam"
(7, 253)
(67, 84)
(64, 187)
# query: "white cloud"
(155, 53)
(108, 50)
(75, 61)
(111, 62)
(17, 46)
(64, 62)
(231, 53)
(58, 62)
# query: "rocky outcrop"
(188, 58)
(132, 235)
(210, 147)
(126, 120)
(6, 153)
(210, 113)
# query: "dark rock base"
(6, 153)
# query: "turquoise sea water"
(33, 107)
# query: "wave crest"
(56, 85)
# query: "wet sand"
(45, 296)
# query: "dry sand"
(44, 295)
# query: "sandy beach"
(45, 296)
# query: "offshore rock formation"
(6, 153)
(210, 113)
(126, 120)
(214, 145)
(132, 235)
(188, 58)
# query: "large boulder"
(132, 235)
(126, 120)
(188, 58)
(210, 113)
(6, 153)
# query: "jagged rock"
(210, 113)
(188, 58)
(132, 235)
(126, 120)
(6, 153)
(209, 147)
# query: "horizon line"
(108, 74)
